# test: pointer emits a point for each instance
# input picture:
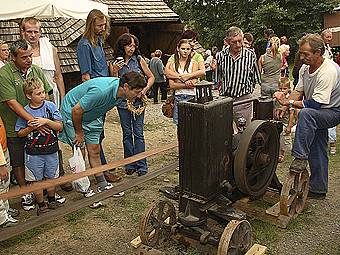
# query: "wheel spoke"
(160, 210)
(254, 164)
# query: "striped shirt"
(238, 75)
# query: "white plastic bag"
(77, 164)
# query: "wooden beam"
(37, 221)
(17, 192)
(257, 249)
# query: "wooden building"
(332, 21)
(152, 21)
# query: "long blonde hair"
(187, 64)
(274, 45)
(90, 23)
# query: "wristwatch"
(291, 102)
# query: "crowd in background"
(35, 110)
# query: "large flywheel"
(256, 157)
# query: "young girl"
(127, 59)
(184, 91)
(284, 51)
(287, 120)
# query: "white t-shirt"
(185, 91)
(49, 74)
(208, 60)
(323, 85)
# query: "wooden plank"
(260, 213)
(274, 210)
(37, 221)
(17, 192)
(257, 249)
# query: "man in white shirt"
(45, 56)
(318, 96)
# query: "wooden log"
(260, 213)
(37, 221)
(257, 249)
(17, 192)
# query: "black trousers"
(162, 86)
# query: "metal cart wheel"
(156, 218)
(294, 193)
(236, 238)
(256, 157)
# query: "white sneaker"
(120, 194)
(59, 198)
(96, 205)
(27, 202)
(107, 187)
(89, 193)
(10, 221)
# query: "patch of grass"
(75, 217)
(306, 218)
(25, 237)
(265, 233)
(106, 216)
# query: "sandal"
(281, 158)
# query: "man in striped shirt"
(239, 73)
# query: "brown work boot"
(112, 178)
(66, 187)
(298, 165)
(43, 209)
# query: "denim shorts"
(39, 167)
(180, 98)
(92, 131)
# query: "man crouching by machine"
(318, 96)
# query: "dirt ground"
(109, 229)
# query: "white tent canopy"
(77, 9)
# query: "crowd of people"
(36, 112)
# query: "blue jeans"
(310, 143)
(133, 138)
(179, 98)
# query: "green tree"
(210, 18)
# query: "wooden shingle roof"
(123, 11)
(64, 33)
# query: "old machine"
(218, 167)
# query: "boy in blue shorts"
(41, 149)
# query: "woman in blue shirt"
(127, 59)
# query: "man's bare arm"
(58, 75)
(18, 109)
